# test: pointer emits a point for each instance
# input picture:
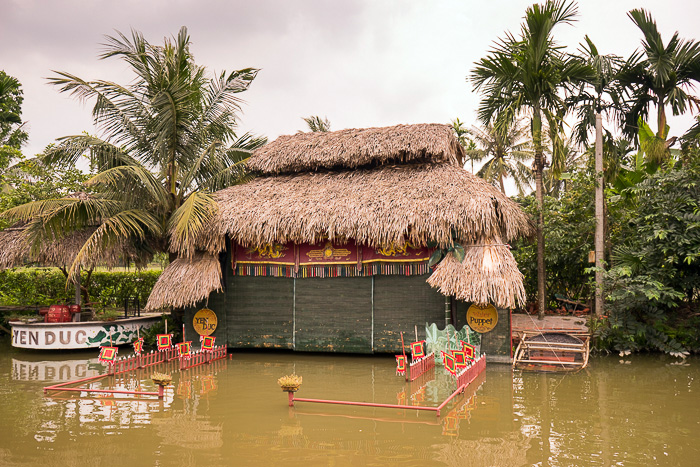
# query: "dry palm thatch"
(62, 252)
(355, 148)
(14, 247)
(488, 274)
(185, 282)
(419, 203)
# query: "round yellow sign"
(482, 318)
(204, 322)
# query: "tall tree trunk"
(77, 287)
(599, 216)
(503, 188)
(661, 118)
(539, 196)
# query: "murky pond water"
(643, 410)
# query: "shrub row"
(46, 286)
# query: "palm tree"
(662, 76)
(12, 132)
(317, 124)
(168, 141)
(508, 149)
(462, 134)
(527, 74)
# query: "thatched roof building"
(378, 188)
(17, 250)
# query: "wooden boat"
(552, 351)
(42, 335)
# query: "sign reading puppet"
(482, 318)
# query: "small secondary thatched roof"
(488, 274)
(17, 251)
(353, 148)
(185, 282)
(377, 207)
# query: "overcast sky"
(358, 63)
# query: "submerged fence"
(420, 366)
(463, 379)
(137, 362)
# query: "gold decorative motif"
(268, 250)
(394, 250)
(329, 252)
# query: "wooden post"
(448, 311)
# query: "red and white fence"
(465, 377)
(420, 366)
(134, 362)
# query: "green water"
(641, 410)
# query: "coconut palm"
(662, 75)
(461, 132)
(601, 94)
(317, 124)
(167, 142)
(528, 74)
(507, 149)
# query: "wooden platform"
(523, 322)
(545, 350)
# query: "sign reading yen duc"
(204, 322)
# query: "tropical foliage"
(507, 149)
(527, 75)
(167, 142)
(661, 75)
(317, 124)
(47, 286)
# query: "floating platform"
(552, 351)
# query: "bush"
(47, 286)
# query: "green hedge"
(46, 286)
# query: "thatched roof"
(377, 186)
(488, 274)
(185, 282)
(14, 249)
(17, 251)
(355, 148)
(416, 202)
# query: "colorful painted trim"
(327, 259)
(417, 350)
(165, 341)
(108, 354)
(207, 342)
(400, 364)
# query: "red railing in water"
(136, 362)
(420, 366)
(464, 378)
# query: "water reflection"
(232, 412)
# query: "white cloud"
(360, 63)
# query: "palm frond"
(128, 225)
(188, 221)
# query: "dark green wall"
(347, 314)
